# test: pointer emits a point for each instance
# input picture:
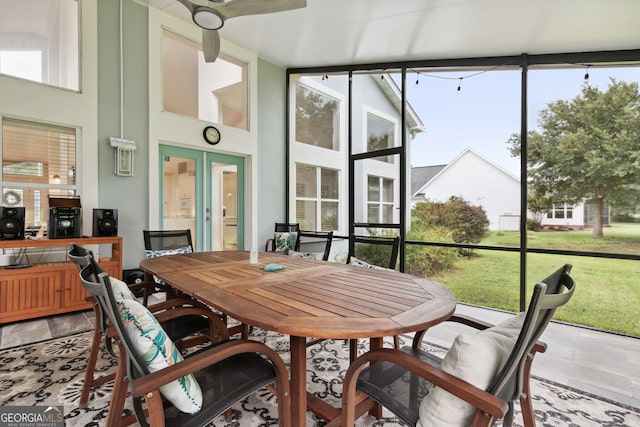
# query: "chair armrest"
(269, 245)
(455, 318)
(197, 362)
(480, 399)
(469, 321)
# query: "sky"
(486, 110)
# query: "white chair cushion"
(285, 241)
(157, 351)
(475, 358)
(360, 263)
(308, 255)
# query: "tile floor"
(600, 363)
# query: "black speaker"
(105, 222)
(64, 223)
(11, 223)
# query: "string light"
(586, 74)
(325, 77)
(459, 88)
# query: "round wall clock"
(211, 135)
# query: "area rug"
(51, 373)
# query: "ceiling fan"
(211, 14)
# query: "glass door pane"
(225, 206)
(179, 194)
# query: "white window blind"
(38, 161)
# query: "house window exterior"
(380, 135)
(217, 92)
(380, 199)
(45, 51)
(38, 161)
(317, 118)
(561, 212)
(317, 198)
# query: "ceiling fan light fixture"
(207, 18)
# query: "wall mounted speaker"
(11, 223)
(105, 222)
(64, 223)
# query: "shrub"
(425, 261)
(467, 223)
(533, 224)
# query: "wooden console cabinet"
(50, 288)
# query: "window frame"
(381, 203)
(67, 188)
(319, 199)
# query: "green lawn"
(607, 294)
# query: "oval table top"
(307, 298)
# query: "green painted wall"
(127, 194)
(271, 148)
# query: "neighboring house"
(483, 183)
(477, 180)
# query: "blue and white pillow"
(162, 252)
(156, 349)
(286, 241)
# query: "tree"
(588, 149)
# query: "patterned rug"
(51, 373)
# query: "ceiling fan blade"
(210, 45)
(235, 8)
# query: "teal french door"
(204, 192)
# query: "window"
(42, 50)
(561, 212)
(317, 198)
(317, 118)
(216, 92)
(380, 135)
(379, 200)
(38, 161)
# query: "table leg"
(376, 411)
(298, 380)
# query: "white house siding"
(577, 218)
(482, 183)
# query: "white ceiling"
(339, 32)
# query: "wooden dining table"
(307, 299)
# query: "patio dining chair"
(314, 244)
(168, 388)
(172, 242)
(164, 242)
(186, 330)
(373, 251)
(476, 382)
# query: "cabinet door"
(74, 293)
(29, 293)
